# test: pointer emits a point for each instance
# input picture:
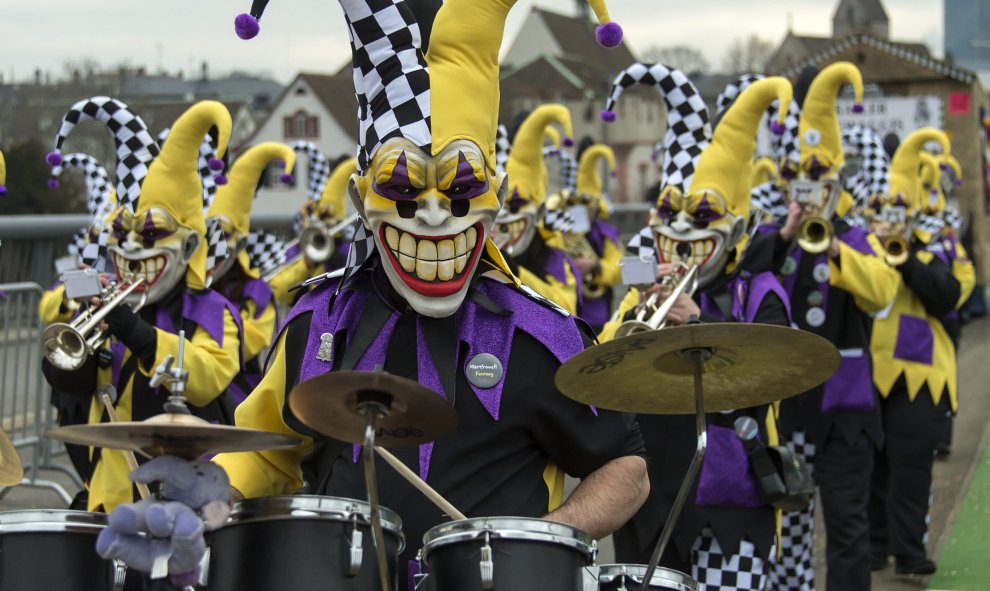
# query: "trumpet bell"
(896, 249)
(316, 243)
(65, 347)
(632, 327)
(814, 234)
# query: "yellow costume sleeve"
(211, 367)
(294, 274)
(258, 332)
(965, 274)
(628, 302)
(562, 294)
(51, 304)
(266, 473)
(610, 273)
(871, 281)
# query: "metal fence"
(25, 412)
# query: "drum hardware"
(683, 280)
(743, 365)
(174, 379)
(356, 543)
(486, 565)
(67, 346)
(373, 408)
(616, 577)
(11, 469)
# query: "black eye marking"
(407, 209)
(460, 207)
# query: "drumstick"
(420, 485)
(128, 454)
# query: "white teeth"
(445, 250)
(472, 237)
(460, 245)
(445, 270)
(459, 263)
(408, 263)
(392, 237)
(427, 271)
(407, 245)
(426, 251)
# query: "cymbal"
(329, 404)
(172, 434)
(11, 470)
(648, 373)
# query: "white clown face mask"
(151, 245)
(430, 216)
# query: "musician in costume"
(724, 538)
(425, 292)
(316, 251)
(157, 233)
(533, 246)
(835, 281)
(914, 367)
(235, 277)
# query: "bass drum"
(506, 554)
(619, 577)
(301, 543)
(55, 549)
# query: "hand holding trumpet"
(683, 307)
(792, 225)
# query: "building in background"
(967, 36)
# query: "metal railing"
(25, 412)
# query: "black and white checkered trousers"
(795, 569)
(743, 571)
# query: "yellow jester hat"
(818, 128)
(589, 180)
(764, 171)
(932, 167)
(334, 193)
(173, 182)
(233, 201)
(3, 175)
(905, 183)
(725, 167)
(528, 175)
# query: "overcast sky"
(309, 35)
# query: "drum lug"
(589, 580)
(119, 574)
(487, 565)
(357, 552)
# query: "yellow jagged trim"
(554, 479)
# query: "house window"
(271, 177)
(301, 125)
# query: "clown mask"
(695, 230)
(890, 217)
(430, 216)
(151, 245)
(516, 225)
(815, 186)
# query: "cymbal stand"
(174, 379)
(374, 405)
(698, 357)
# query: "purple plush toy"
(194, 498)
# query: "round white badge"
(812, 137)
(821, 272)
(484, 370)
(789, 266)
(815, 317)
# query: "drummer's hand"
(794, 213)
(682, 310)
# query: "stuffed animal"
(193, 498)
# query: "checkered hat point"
(568, 166)
(100, 198)
(874, 168)
(502, 147)
(264, 251)
(688, 126)
(318, 167)
(136, 147)
(247, 24)
(952, 217)
(784, 141)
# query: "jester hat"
(589, 180)
(871, 179)
(234, 199)
(764, 171)
(209, 165)
(100, 202)
(334, 196)
(3, 175)
(784, 142)
(688, 127)
(528, 176)
(905, 183)
(932, 168)
(318, 167)
(818, 129)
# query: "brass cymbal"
(329, 404)
(172, 434)
(648, 373)
(11, 470)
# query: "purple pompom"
(216, 164)
(613, 174)
(53, 159)
(608, 116)
(246, 26)
(220, 179)
(777, 128)
(568, 141)
(609, 34)
(858, 108)
(52, 183)
(958, 182)
(3, 190)
(943, 166)
(286, 179)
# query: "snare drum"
(619, 577)
(506, 554)
(301, 542)
(53, 549)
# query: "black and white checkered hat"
(391, 78)
(568, 166)
(318, 166)
(136, 147)
(502, 147)
(216, 243)
(688, 127)
(785, 145)
(558, 220)
(768, 199)
(642, 244)
(872, 176)
(264, 250)
(100, 199)
(209, 167)
(952, 217)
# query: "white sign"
(893, 114)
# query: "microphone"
(768, 478)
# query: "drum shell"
(610, 578)
(522, 562)
(298, 543)
(52, 549)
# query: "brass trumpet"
(68, 345)
(895, 250)
(814, 234)
(684, 280)
(316, 244)
(577, 246)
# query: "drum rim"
(318, 507)
(508, 528)
(51, 520)
(635, 573)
